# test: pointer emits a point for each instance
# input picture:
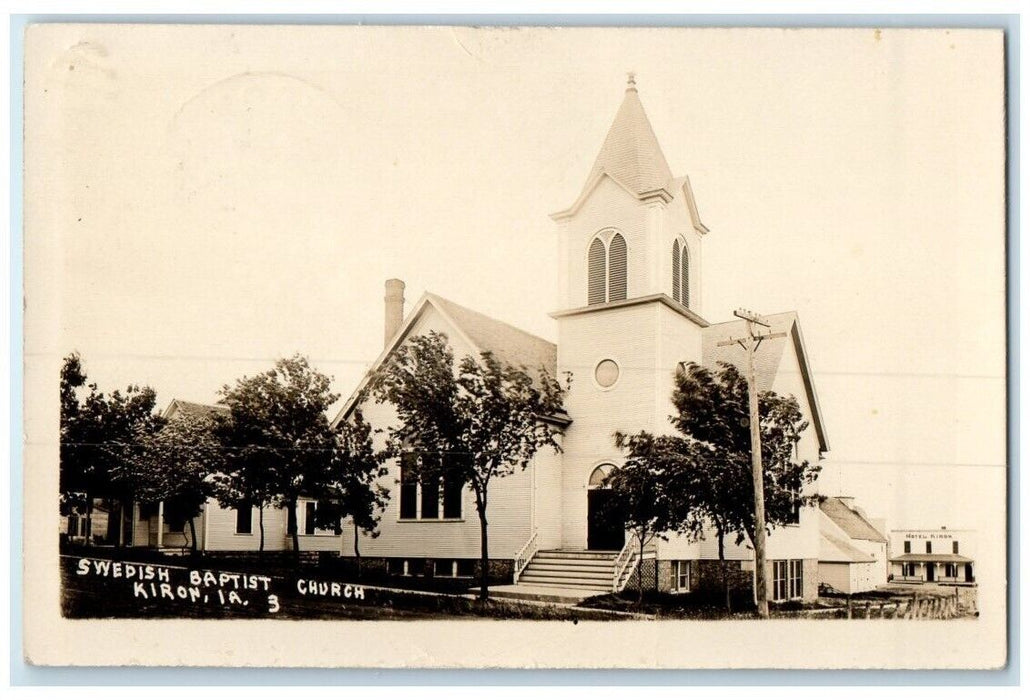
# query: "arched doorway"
(606, 529)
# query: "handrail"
(622, 561)
(523, 556)
(622, 569)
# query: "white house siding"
(547, 474)
(221, 530)
(609, 206)
(509, 507)
(627, 335)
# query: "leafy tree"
(99, 435)
(713, 417)
(651, 493)
(351, 488)
(277, 439)
(175, 464)
(472, 423)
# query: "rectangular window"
(908, 546)
(147, 511)
(950, 571)
(430, 499)
(796, 580)
(954, 547)
(244, 520)
(908, 570)
(779, 580)
(929, 547)
(680, 576)
(309, 518)
(409, 493)
(466, 567)
(452, 498)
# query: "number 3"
(273, 603)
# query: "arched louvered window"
(596, 283)
(606, 269)
(676, 270)
(617, 268)
(685, 276)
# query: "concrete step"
(585, 570)
(578, 554)
(569, 573)
(568, 582)
(545, 594)
(578, 564)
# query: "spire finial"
(631, 81)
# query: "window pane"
(596, 273)
(617, 269)
(309, 518)
(452, 498)
(244, 520)
(908, 546)
(430, 498)
(929, 547)
(954, 547)
(409, 492)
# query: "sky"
(204, 200)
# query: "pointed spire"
(631, 153)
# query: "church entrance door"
(606, 529)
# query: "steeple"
(631, 153)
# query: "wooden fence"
(915, 607)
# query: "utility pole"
(750, 343)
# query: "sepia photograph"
(515, 347)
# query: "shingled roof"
(508, 344)
(850, 521)
(835, 549)
(767, 359)
(195, 410)
(630, 152)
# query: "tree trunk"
(357, 552)
(88, 539)
(484, 556)
(193, 536)
(722, 567)
(291, 527)
(261, 527)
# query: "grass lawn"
(95, 588)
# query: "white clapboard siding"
(509, 507)
(609, 207)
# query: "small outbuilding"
(852, 550)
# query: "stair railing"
(627, 560)
(524, 555)
(626, 556)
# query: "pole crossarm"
(760, 337)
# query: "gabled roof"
(837, 550)
(850, 521)
(196, 410)
(508, 344)
(767, 358)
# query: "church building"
(631, 312)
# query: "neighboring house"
(630, 270)
(933, 556)
(852, 551)
(227, 529)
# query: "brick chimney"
(394, 312)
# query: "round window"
(606, 373)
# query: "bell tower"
(630, 297)
(634, 230)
